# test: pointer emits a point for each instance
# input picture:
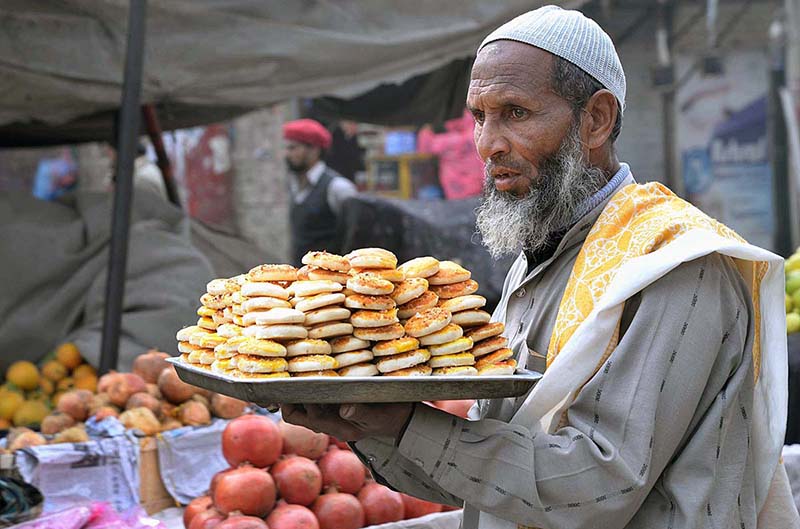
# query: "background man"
(317, 191)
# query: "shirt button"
(371, 459)
(520, 293)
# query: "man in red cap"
(317, 190)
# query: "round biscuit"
(215, 302)
(389, 274)
(307, 347)
(354, 357)
(272, 272)
(184, 357)
(325, 315)
(449, 272)
(370, 251)
(455, 371)
(456, 346)
(264, 289)
(206, 323)
(359, 370)
(230, 348)
(186, 347)
(229, 330)
(387, 364)
(343, 344)
(373, 261)
(501, 355)
(261, 347)
(184, 334)
(454, 290)
(507, 367)
(320, 274)
(457, 359)
(218, 287)
(485, 331)
(363, 301)
(377, 334)
(205, 357)
(330, 330)
(318, 301)
(210, 340)
(396, 346)
(471, 318)
(421, 370)
(374, 318)
(323, 373)
(204, 311)
(489, 345)
(370, 284)
(427, 321)
(260, 364)
(276, 332)
(409, 289)
(302, 273)
(448, 334)
(462, 303)
(237, 297)
(221, 366)
(428, 300)
(264, 303)
(328, 261)
(299, 364)
(278, 315)
(239, 375)
(305, 289)
(420, 267)
(237, 310)
(220, 318)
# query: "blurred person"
(663, 396)
(146, 174)
(55, 176)
(345, 155)
(317, 191)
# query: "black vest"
(313, 222)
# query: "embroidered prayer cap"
(307, 131)
(571, 36)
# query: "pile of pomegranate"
(287, 477)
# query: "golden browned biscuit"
(209, 340)
(389, 274)
(370, 284)
(489, 345)
(222, 286)
(507, 367)
(471, 318)
(421, 370)
(344, 344)
(427, 300)
(276, 332)
(326, 314)
(374, 318)
(230, 348)
(462, 303)
(370, 251)
(463, 288)
(222, 366)
(207, 324)
(455, 371)
(320, 274)
(452, 360)
(330, 330)
(318, 301)
(220, 318)
(215, 302)
(328, 261)
(354, 357)
(377, 334)
(265, 289)
(229, 330)
(374, 260)
(260, 364)
(456, 346)
(324, 373)
(448, 334)
(273, 272)
(387, 364)
(237, 298)
(236, 374)
(260, 347)
(359, 370)
(396, 346)
(301, 364)
(420, 267)
(501, 355)
(278, 315)
(302, 273)
(205, 312)
(449, 273)
(187, 348)
(362, 301)
(485, 331)
(427, 321)
(305, 289)
(184, 334)
(184, 357)
(202, 356)
(307, 347)
(409, 289)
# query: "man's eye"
(478, 116)
(518, 113)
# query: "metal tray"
(333, 390)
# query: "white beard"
(508, 223)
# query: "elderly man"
(317, 190)
(664, 391)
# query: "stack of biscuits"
(491, 351)
(196, 345)
(415, 269)
(404, 356)
(230, 289)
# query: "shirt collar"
(313, 175)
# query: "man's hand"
(351, 422)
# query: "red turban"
(307, 131)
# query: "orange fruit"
(86, 382)
(30, 413)
(83, 370)
(54, 371)
(69, 355)
(65, 384)
(46, 386)
(10, 402)
(23, 374)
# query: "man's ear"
(600, 114)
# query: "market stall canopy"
(61, 61)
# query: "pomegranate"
(193, 413)
(298, 479)
(251, 438)
(150, 364)
(120, 387)
(243, 522)
(338, 510)
(173, 388)
(246, 489)
(195, 507)
(56, 422)
(342, 469)
(144, 400)
(302, 441)
(209, 519)
(381, 504)
(227, 407)
(215, 479)
(288, 516)
(140, 419)
(415, 507)
(75, 403)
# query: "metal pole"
(127, 138)
(778, 144)
(154, 133)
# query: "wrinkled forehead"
(512, 64)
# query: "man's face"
(299, 156)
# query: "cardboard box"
(153, 495)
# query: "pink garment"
(460, 167)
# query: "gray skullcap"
(571, 36)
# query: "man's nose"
(490, 140)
